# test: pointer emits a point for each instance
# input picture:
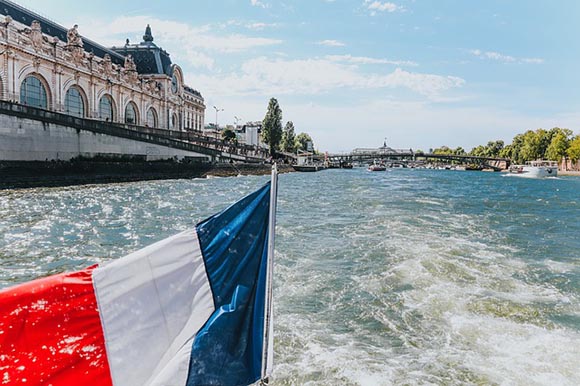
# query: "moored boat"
(307, 168)
(306, 163)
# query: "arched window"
(174, 121)
(33, 93)
(74, 103)
(131, 114)
(151, 117)
(106, 108)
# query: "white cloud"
(367, 60)
(263, 76)
(331, 43)
(260, 26)
(257, 3)
(184, 42)
(504, 58)
(187, 36)
(533, 60)
(381, 6)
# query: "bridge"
(405, 157)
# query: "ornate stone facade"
(79, 77)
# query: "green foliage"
(557, 148)
(228, 135)
(550, 144)
(444, 150)
(302, 140)
(573, 150)
(534, 145)
(288, 143)
(492, 149)
(272, 126)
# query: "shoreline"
(26, 175)
(569, 173)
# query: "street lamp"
(216, 115)
(236, 120)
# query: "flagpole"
(267, 345)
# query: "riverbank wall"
(31, 174)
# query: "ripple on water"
(407, 277)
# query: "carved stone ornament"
(77, 55)
(36, 37)
(130, 63)
(36, 63)
(4, 25)
(107, 66)
(131, 70)
(73, 38)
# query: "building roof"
(26, 17)
(149, 58)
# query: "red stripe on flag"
(51, 334)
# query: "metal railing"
(184, 140)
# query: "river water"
(411, 277)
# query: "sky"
(419, 74)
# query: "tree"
(532, 148)
(443, 150)
(573, 151)
(492, 149)
(228, 135)
(515, 150)
(478, 151)
(507, 152)
(302, 140)
(557, 148)
(288, 143)
(272, 126)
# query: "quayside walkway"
(210, 148)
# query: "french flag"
(193, 309)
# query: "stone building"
(47, 66)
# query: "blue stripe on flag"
(234, 244)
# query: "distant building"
(380, 150)
(250, 133)
(44, 65)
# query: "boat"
(377, 167)
(535, 169)
(305, 163)
(307, 168)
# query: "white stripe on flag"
(152, 303)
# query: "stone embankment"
(17, 174)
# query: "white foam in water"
(515, 347)
(518, 354)
(402, 278)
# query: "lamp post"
(216, 116)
